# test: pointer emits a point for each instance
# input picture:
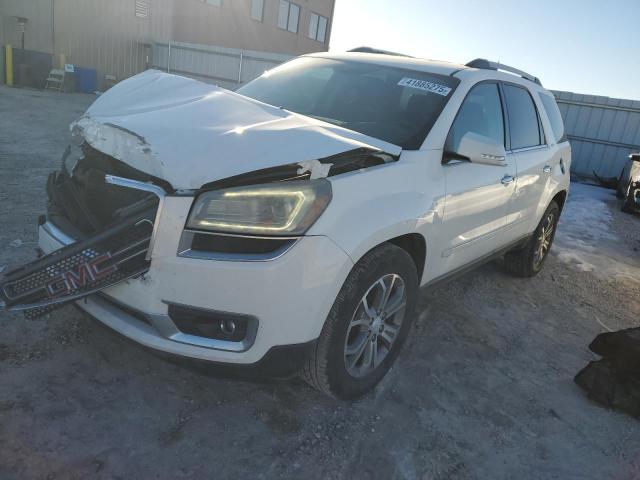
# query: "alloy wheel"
(375, 325)
(543, 242)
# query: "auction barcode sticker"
(424, 85)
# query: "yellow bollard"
(9, 64)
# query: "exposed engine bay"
(112, 226)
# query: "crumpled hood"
(190, 133)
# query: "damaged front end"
(107, 223)
(185, 139)
(105, 213)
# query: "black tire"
(524, 262)
(326, 369)
(620, 189)
(628, 203)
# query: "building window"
(318, 27)
(257, 9)
(288, 16)
(216, 3)
(142, 9)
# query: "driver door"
(477, 194)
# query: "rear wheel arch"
(560, 198)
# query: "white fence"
(226, 67)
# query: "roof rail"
(485, 64)
(378, 51)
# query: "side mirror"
(635, 157)
(480, 149)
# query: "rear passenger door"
(528, 145)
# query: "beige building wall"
(108, 35)
(39, 30)
(113, 36)
(231, 25)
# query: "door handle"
(507, 179)
(546, 169)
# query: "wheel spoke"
(368, 356)
(371, 313)
(374, 352)
(387, 292)
(395, 308)
(355, 351)
(389, 334)
(359, 322)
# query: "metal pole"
(240, 69)
(169, 59)
(8, 56)
(53, 30)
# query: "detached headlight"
(275, 209)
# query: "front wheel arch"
(416, 246)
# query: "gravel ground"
(483, 389)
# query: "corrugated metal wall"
(108, 36)
(226, 67)
(115, 36)
(602, 131)
(39, 30)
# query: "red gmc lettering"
(84, 274)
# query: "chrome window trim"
(147, 187)
(528, 149)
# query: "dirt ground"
(483, 389)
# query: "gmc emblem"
(80, 276)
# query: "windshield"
(393, 104)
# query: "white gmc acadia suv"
(295, 220)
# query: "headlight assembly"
(274, 209)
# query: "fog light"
(231, 327)
(228, 327)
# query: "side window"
(288, 16)
(257, 10)
(481, 113)
(555, 118)
(524, 125)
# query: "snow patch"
(586, 238)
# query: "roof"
(398, 61)
(504, 72)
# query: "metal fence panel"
(226, 67)
(602, 131)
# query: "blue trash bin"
(86, 80)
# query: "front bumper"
(290, 295)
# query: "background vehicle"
(629, 184)
(291, 224)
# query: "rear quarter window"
(555, 118)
